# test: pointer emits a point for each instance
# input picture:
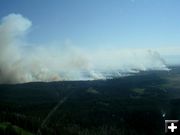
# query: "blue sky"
(58, 39)
(100, 23)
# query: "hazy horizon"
(68, 40)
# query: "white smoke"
(19, 64)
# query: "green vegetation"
(9, 129)
(139, 91)
(131, 105)
(92, 91)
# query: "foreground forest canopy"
(133, 105)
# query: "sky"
(47, 40)
(96, 23)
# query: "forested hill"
(114, 106)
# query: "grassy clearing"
(92, 91)
(172, 82)
(5, 126)
(139, 91)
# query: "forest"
(132, 105)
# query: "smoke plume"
(21, 63)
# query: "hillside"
(136, 104)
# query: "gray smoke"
(20, 62)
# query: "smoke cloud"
(21, 63)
